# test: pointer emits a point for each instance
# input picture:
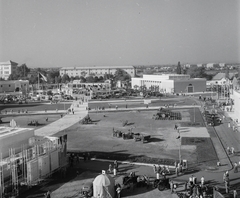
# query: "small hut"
(103, 186)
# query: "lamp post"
(180, 153)
(194, 113)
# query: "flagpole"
(38, 80)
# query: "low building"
(7, 68)
(14, 138)
(221, 79)
(170, 83)
(96, 70)
(10, 86)
(27, 158)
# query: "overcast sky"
(57, 33)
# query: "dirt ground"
(163, 143)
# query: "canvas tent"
(104, 186)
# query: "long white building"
(95, 70)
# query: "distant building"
(170, 83)
(222, 65)
(7, 68)
(220, 79)
(11, 86)
(96, 70)
(209, 65)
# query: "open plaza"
(92, 130)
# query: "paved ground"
(226, 136)
(65, 122)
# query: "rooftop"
(6, 131)
(8, 63)
(99, 67)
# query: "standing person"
(224, 177)
(84, 157)
(154, 169)
(227, 186)
(235, 167)
(191, 179)
(116, 164)
(227, 175)
(175, 164)
(176, 171)
(110, 168)
(232, 150)
(202, 180)
(228, 150)
(171, 186)
(88, 156)
(118, 191)
(194, 180)
(186, 186)
(234, 193)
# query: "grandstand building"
(7, 68)
(95, 70)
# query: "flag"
(43, 77)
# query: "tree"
(100, 79)
(52, 75)
(90, 79)
(33, 79)
(82, 79)
(198, 72)
(71, 78)
(122, 75)
(49, 93)
(96, 79)
(59, 79)
(83, 73)
(20, 73)
(108, 76)
(65, 78)
(179, 69)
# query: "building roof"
(8, 63)
(13, 81)
(9, 131)
(189, 80)
(220, 76)
(99, 67)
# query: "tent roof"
(104, 180)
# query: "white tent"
(104, 186)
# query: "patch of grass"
(205, 150)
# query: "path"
(65, 122)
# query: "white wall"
(136, 81)
(236, 106)
(15, 141)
